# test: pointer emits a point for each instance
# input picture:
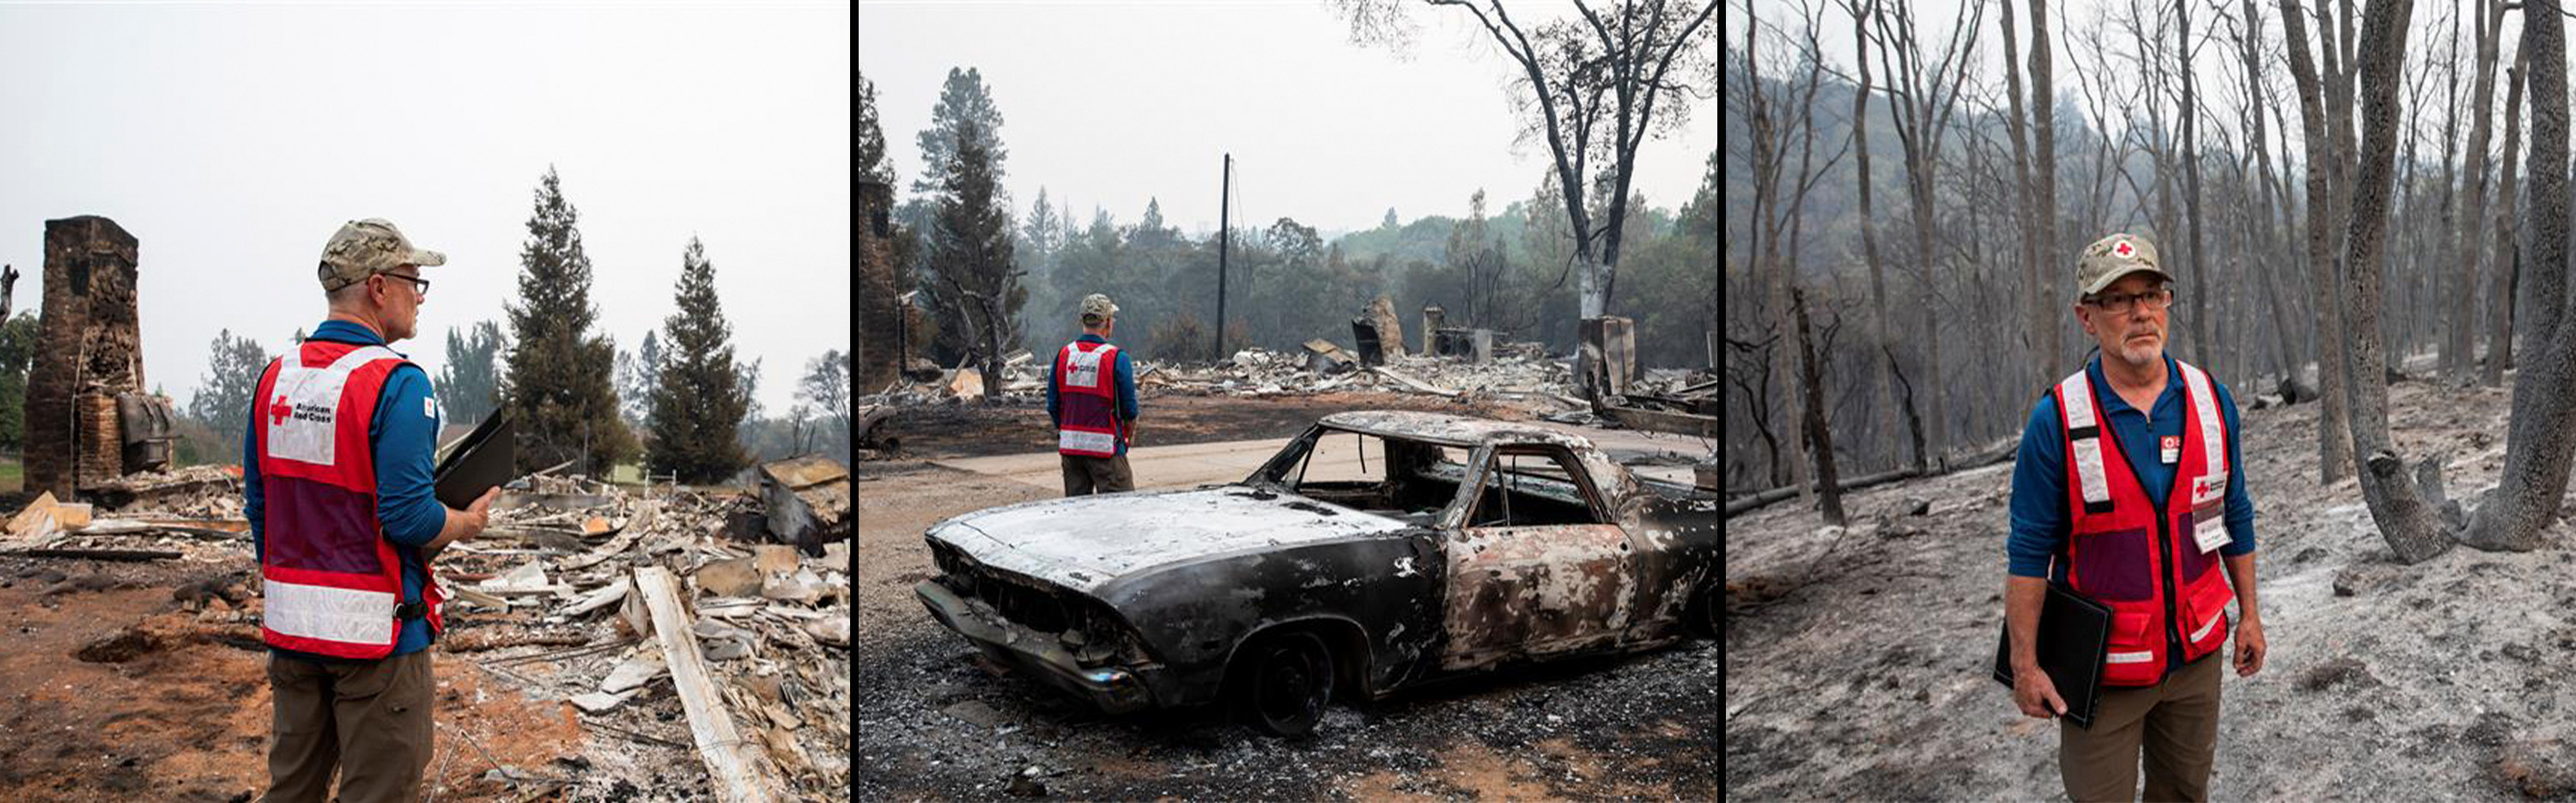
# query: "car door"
(1534, 566)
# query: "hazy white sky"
(1109, 104)
(233, 140)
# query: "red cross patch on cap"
(2124, 250)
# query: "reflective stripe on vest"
(1086, 386)
(2139, 555)
(332, 581)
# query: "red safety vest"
(1086, 391)
(331, 579)
(2146, 562)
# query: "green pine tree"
(700, 402)
(978, 292)
(559, 388)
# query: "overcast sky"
(233, 140)
(1109, 104)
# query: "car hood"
(1084, 542)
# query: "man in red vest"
(1091, 396)
(336, 473)
(2129, 489)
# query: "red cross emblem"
(278, 411)
(2123, 250)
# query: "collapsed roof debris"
(669, 644)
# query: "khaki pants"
(368, 720)
(2176, 724)
(1090, 475)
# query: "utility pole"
(1224, 233)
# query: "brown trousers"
(2175, 722)
(368, 720)
(1090, 475)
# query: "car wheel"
(1287, 684)
(1701, 618)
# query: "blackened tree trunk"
(2543, 430)
(2044, 184)
(2042, 365)
(1820, 438)
(2334, 439)
(2508, 252)
(2461, 346)
(1879, 321)
(2190, 114)
(2405, 520)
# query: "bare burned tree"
(2042, 362)
(2190, 114)
(2459, 348)
(1861, 13)
(2542, 432)
(1818, 435)
(1923, 93)
(1594, 89)
(1777, 115)
(2043, 185)
(2508, 253)
(2324, 193)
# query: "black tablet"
(2074, 636)
(485, 458)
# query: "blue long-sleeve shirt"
(1126, 376)
(402, 437)
(2040, 521)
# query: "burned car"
(1376, 551)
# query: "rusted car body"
(1472, 543)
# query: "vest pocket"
(2113, 565)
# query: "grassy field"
(13, 476)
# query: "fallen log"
(128, 555)
(1993, 454)
(740, 774)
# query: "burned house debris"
(1377, 550)
(665, 654)
(808, 500)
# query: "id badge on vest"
(2208, 489)
(2169, 449)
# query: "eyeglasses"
(418, 284)
(2117, 303)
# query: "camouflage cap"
(1098, 306)
(2110, 258)
(368, 247)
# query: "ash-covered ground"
(1858, 658)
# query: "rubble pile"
(642, 607)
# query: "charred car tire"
(1285, 684)
(1701, 617)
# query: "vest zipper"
(2164, 543)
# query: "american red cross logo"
(2123, 249)
(278, 411)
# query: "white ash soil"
(2449, 680)
(1635, 727)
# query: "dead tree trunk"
(1767, 140)
(1819, 436)
(2190, 114)
(2543, 431)
(2044, 187)
(2508, 252)
(2334, 439)
(1923, 94)
(2405, 520)
(2041, 364)
(1885, 412)
(2472, 219)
